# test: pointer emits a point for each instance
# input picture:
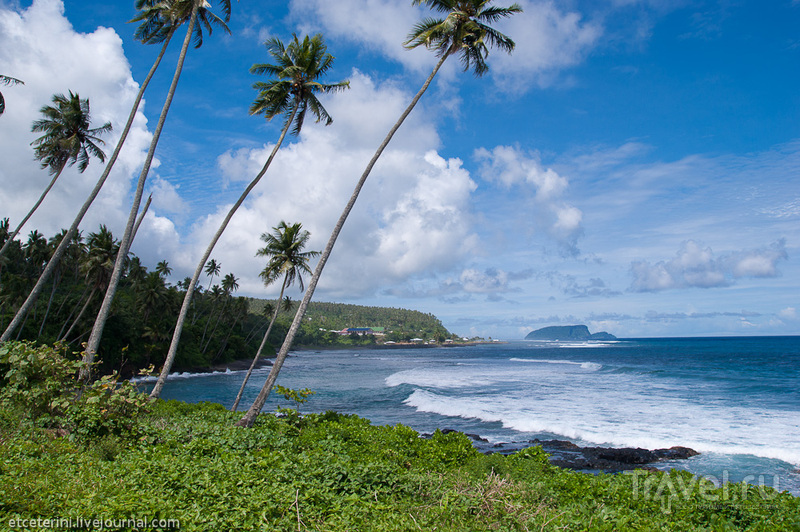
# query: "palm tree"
(7, 80)
(102, 249)
(463, 32)
(198, 15)
(292, 92)
(212, 269)
(286, 258)
(157, 27)
(163, 269)
(67, 140)
(229, 285)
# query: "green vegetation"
(219, 326)
(67, 455)
(321, 318)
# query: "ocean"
(735, 400)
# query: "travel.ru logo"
(705, 492)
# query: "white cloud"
(696, 267)
(547, 39)
(377, 25)
(39, 46)
(412, 218)
(511, 167)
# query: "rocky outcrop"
(571, 456)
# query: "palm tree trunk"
(80, 315)
(250, 417)
(141, 216)
(216, 326)
(176, 336)
(33, 210)
(62, 247)
(49, 304)
(260, 349)
(72, 312)
(208, 321)
(125, 244)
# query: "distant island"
(568, 332)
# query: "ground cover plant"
(328, 471)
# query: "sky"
(633, 165)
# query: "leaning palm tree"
(464, 32)
(157, 27)
(291, 93)
(286, 258)
(198, 14)
(68, 139)
(7, 80)
(212, 268)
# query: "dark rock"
(569, 455)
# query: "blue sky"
(633, 165)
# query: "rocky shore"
(571, 456)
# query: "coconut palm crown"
(159, 18)
(67, 136)
(7, 80)
(463, 31)
(286, 259)
(296, 73)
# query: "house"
(361, 331)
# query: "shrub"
(40, 382)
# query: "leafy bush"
(41, 384)
(340, 473)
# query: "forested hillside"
(321, 318)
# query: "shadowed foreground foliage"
(328, 471)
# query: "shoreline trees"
(284, 248)
(297, 71)
(198, 15)
(154, 29)
(464, 31)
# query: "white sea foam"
(186, 375)
(584, 365)
(573, 344)
(624, 411)
(440, 378)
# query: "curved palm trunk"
(260, 349)
(49, 304)
(64, 245)
(141, 216)
(176, 336)
(33, 210)
(125, 244)
(80, 315)
(207, 344)
(250, 417)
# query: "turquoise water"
(736, 400)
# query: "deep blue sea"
(735, 400)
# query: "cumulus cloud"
(511, 167)
(379, 26)
(547, 38)
(412, 217)
(695, 266)
(39, 46)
